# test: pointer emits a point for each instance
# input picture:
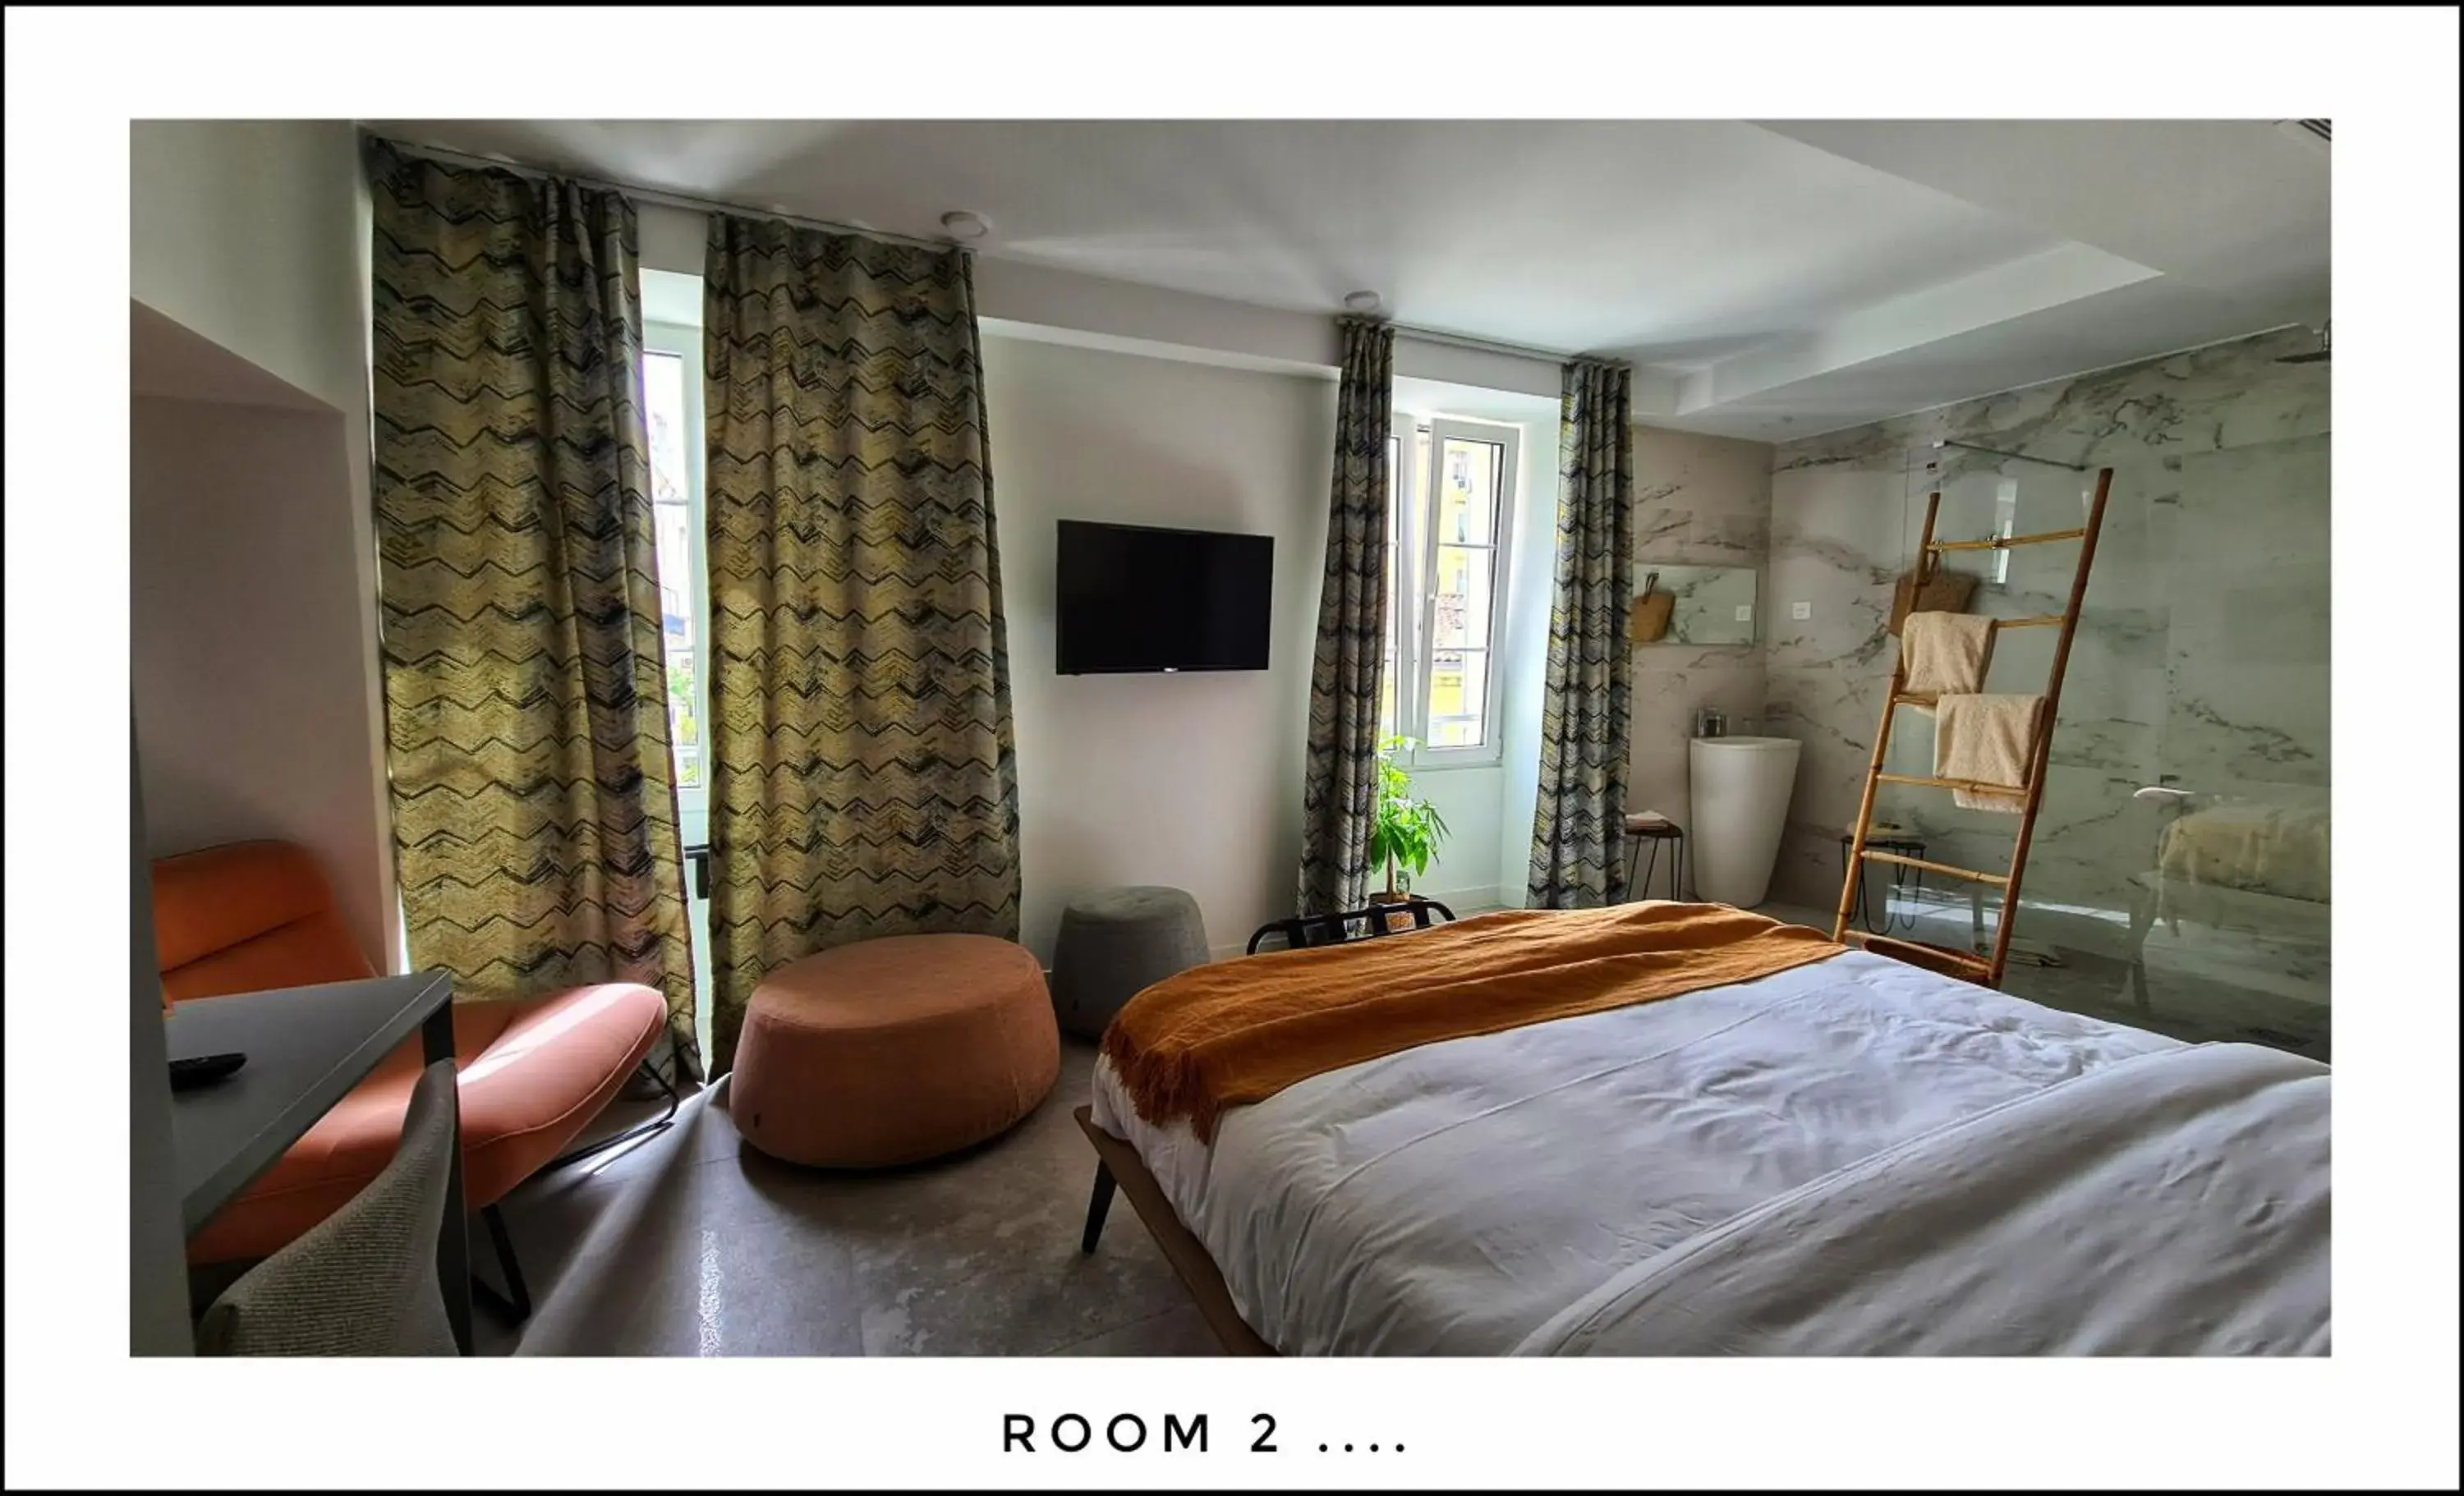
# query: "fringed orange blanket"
(1239, 1031)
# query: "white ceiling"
(1778, 280)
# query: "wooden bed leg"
(1118, 1163)
(1098, 1205)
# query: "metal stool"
(1639, 832)
(1907, 881)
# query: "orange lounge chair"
(255, 915)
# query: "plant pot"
(1394, 922)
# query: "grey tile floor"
(692, 1244)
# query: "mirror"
(1705, 605)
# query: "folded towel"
(1946, 653)
(1991, 739)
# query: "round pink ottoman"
(892, 1051)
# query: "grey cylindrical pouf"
(1114, 943)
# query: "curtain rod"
(2015, 457)
(1482, 344)
(644, 194)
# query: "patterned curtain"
(864, 779)
(1578, 832)
(1341, 792)
(534, 800)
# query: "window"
(672, 408)
(1453, 484)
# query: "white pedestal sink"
(1741, 789)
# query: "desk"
(306, 1047)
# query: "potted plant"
(1405, 831)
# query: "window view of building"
(1449, 507)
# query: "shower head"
(2317, 354)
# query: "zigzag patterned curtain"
(535, 814)
(864, 779)
(1341, 793)
(1578, 828)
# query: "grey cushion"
(1117, 942)
(362, 1281)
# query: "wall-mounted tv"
(1134, 598)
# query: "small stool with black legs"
(1906, 883)
(1649, 828)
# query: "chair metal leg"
(1098, 1205)
(658, 1124)
(513, 1306)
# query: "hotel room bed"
(1850, 1156)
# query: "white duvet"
(1849, 1157)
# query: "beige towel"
(1992, 740)
(1946, 653)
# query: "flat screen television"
(1135, 598)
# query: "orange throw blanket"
(1239, 1031)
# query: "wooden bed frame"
(1117, 1164)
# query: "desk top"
(306, 1047)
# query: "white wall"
(253, 237)
(243, 657)
(248, 234)
(1191, 781)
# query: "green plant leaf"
(1405, 831)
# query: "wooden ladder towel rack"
(1940, 958)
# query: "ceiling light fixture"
(1363, 301)
(963, 226)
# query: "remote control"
(204, 1069)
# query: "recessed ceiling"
(1776, 279)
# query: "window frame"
(1411, 490)
(679, 341)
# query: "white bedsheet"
(1457, 1197)
(2172, 1204)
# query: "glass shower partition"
(2178, 876)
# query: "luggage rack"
(1946, 960)
(1378, 919)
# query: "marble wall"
(1704, 501)
(2202, 655)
